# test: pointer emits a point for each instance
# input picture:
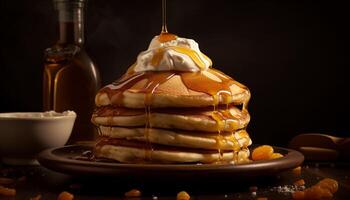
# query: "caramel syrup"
(151, 86)
(157, 57)
(164, 35)
(192, 54)
(164, 25)
(149, 150)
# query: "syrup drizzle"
(149, 149)
(164, 25)
(157, 57)
(151, 86)
(192, 54)
(164, 35)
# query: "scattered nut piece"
(7, 191)
(6, 181)
(37, 197)
(133, 193)
(299, 182)
(263, 152)
(262, 198)
(65, 196)
(183, 195)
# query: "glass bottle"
(71, 79)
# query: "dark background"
(290, 54)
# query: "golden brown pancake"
(173, 89)
(173, 117)
(137, 152)
(230, 118)
(179, 138)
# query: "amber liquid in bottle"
(71, 80)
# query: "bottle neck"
(71, 26)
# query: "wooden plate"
(62, 160)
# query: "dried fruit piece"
(183, 195)
(65, 196)
(133, 193)
(330, 184)
(297, 171)
(314, 192)
(263, 152)
(262, 198)
(326, 194)
(7, 191)
(276, 155)
(324, 189)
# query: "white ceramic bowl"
(23, 135)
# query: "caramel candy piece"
(65, 196)
(183, 195)
(263, 152)
(133, 193)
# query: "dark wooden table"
(49, 184)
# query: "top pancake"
(173, 89)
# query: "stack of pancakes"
(173, 117)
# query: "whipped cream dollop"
(178, 54)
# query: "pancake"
(223, 119)
(134, 152)
(173, 89)
(171, 106)
(177, 138)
